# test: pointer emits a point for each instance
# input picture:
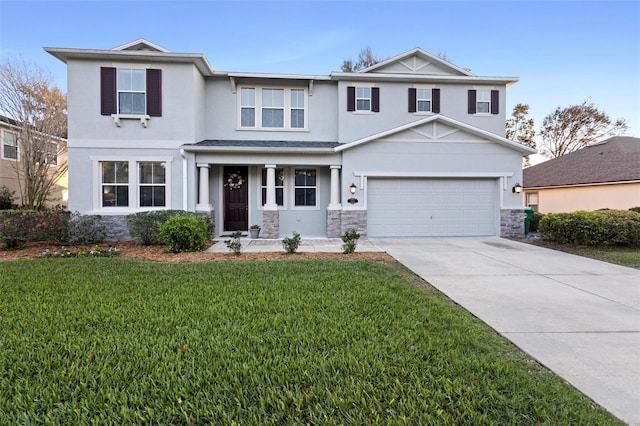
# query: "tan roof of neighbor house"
(613, 160)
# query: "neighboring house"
(417, 139)
(602, 175)
(10, 164)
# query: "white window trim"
(285, 197)
(118, 91)
(370, 98)
(484, 89)
(17, 146)
(134, 185)
(430, 90)
(258, 109)
(292, 188)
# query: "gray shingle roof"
(265, 144)
(614, 160)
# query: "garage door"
(431, 207)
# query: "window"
(277, 108)
(131, 91)
(297, 108)
(363, 99)
(51, 154)
(9, 145)
(484, 101)
(272, 107)
(247, 107)
(305, 187)
(115, 183)
(279, 187)
(532, 200)
(423, 100)
(152, 178)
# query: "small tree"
(569, 129)
(38, 110)
(521, 129)
(366, 58)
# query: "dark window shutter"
(472, 101)
(351, 98)
(375, 99)
(495, 102)
(435, 101)
(108, 101)
(154, 92)
(412, 99)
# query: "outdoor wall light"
(517, 188)
(352, 189)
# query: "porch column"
(270, 203)
(270, 213)
(203, 188)
(334, 201)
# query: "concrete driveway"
(578, 317)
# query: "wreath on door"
(234, 181)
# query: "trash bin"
(528, 211)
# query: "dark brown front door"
(235, 199)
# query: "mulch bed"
(157, 253)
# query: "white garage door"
(431, 207)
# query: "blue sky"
(564, 52)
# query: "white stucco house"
(412, 146)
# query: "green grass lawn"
(625, 257)
(115, 341)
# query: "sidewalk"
(262, 245)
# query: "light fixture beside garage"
(352, 190)
(517, 188)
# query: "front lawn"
(115, 341)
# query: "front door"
(236, 208)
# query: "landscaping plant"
(234, 243)
(144, 227)
(185, 232)
(350, 241)
(291, 244)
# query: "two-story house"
(412, 146)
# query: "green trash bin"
(528, 211)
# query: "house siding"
(621, 196)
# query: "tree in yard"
(366, 58)
(521, 129)
(37, 108)
(569, 129)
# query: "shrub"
(291, 244)
(86, 229)
(535, 222)
(601, 227)
(350, 241)
(234, 243)
(144, 226)
(635, 209)
(7, 198)
(17, 227)
(185, 232)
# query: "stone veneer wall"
(270, 224)
(354, 219)
(334, 223)
(116, 227)
(512, 222)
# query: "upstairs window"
(48, 152)
(424, 100)
(363, 99)
(272, 108)
(131, 91)
(484, 101)
(9, 145)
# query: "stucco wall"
(557, 200)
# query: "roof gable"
(141, 44)
(417, 61)
(442, 129)
(614, 160)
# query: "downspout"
(184, 180)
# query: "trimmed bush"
(144, 227)
(86, 229)
(185, 232)
(350, 241)
(535, 222)
(7, 198)
(17, 227)
(291, 244)
(635, 209)
(602, 227)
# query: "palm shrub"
(350, 241)
(185, 232)
(291, 244)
